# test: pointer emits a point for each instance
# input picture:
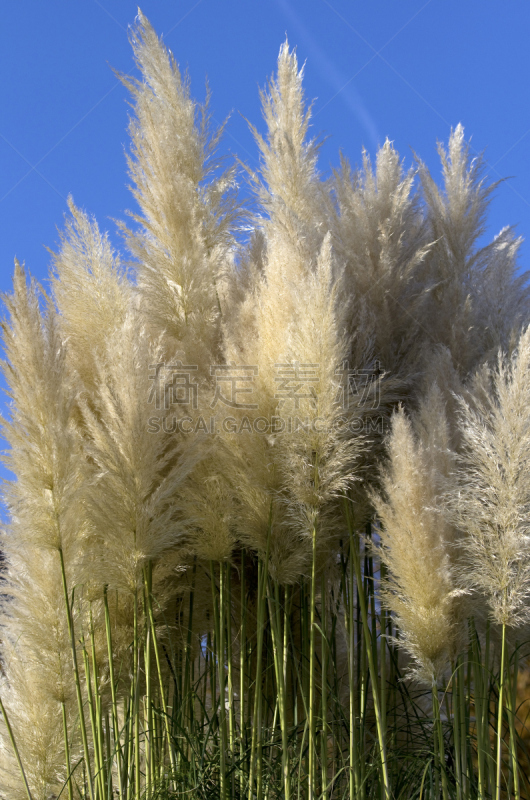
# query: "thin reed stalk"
(439, 744)
(243, 652)
(500, 712)
(15, 749)
(79, 696)
(280, 665)
(374, 674)
(256, 741)
(324, 691)
(114, 700)
(135, 705)
(512, 711)
(312, 768)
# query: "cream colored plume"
(493, 500)
(318, 459)
(380, 233)
(475, 297)
(44, 449)
(289, 224)
(290, 190)
(207, 503)
(35, 717)
(292, 328)
(296, 474)
(417, 541)
(37, 671)
(47, 518)
(91, 292)
(188, 210)
(135, 469)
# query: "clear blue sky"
(406, 70)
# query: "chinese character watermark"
(228, 378)
(361, 384)
(297, 382)
(233, 385)
(177, 389)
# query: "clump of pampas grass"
(204, 443)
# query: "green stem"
(92, 714)
(136, 699)
(242, 686)
(312, 717)
(382, 657)
(256, 745)
(462, 703)
(148, 703)
(67, 752)
(148, 583)
(15, 749)
(512, 705)
(128, 766)
(98, 737)
(115, 722)
(324, 647)
(499, 715)
(278, 652)
(370, 655)
(455, 688)
(285, 741)
(75, 666)
(348, 593)
(218, 611)
(221, 655)
(490, 756)
(231, 706)
(188, 696)
(439, 747)
(479, 701)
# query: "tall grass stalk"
(67, 753)
(243, 652)
(312, 691)
(324, 691)
(135, 699)
(148, 699)
(162, 687)
(512, 711)
(374, 672)
(280, 662)
(356, 786)
(218, 600)
(256, 741)
(500, 711)
(77, 681)
(15, 749)
(116, 733)
(95, 701)
(439, 744)
(230, 676)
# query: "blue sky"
(405, 70)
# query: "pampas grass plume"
(493, 499)
(421, 587)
